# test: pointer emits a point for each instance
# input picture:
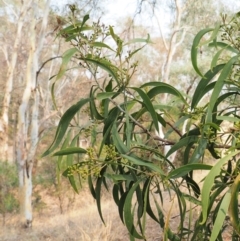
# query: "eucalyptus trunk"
(26, 145)
(11, 62)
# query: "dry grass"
(81, 221)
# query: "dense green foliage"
(122, 126)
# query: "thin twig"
(174, 128)
(44, 63)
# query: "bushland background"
(30, 56)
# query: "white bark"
(9, 83)
(25, 151)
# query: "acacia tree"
(174, 47)
(124, 148)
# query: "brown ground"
(80, 221)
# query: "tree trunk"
(9, 84)
(25, 150)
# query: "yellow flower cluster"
(84, 169)
(111, 153)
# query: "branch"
(175, 129)
(157, 138)
(4, 50)
(222, 146)
(163, 39)
(44, 63)
(47, 117)
(164, 141)
(8, 6)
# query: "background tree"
(11, 64)
(27, 113)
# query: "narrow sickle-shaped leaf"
(233, 207)
(181, 143)
(224, 46)
(195, 46)
(208, 183)
(199, 150)
(162, 88)
(64, 123)
(202, 85)
(183, 170)
(137, 161)
(222, 212)
(105, 95)
(117, 141)
(85, 19)
(213, 36)
(148, 105)
(65, 59)
(73, 183)
(219, 84)
(98, 188)
(103, 65)
(128, 215)
(102, 45)
(69, 150)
